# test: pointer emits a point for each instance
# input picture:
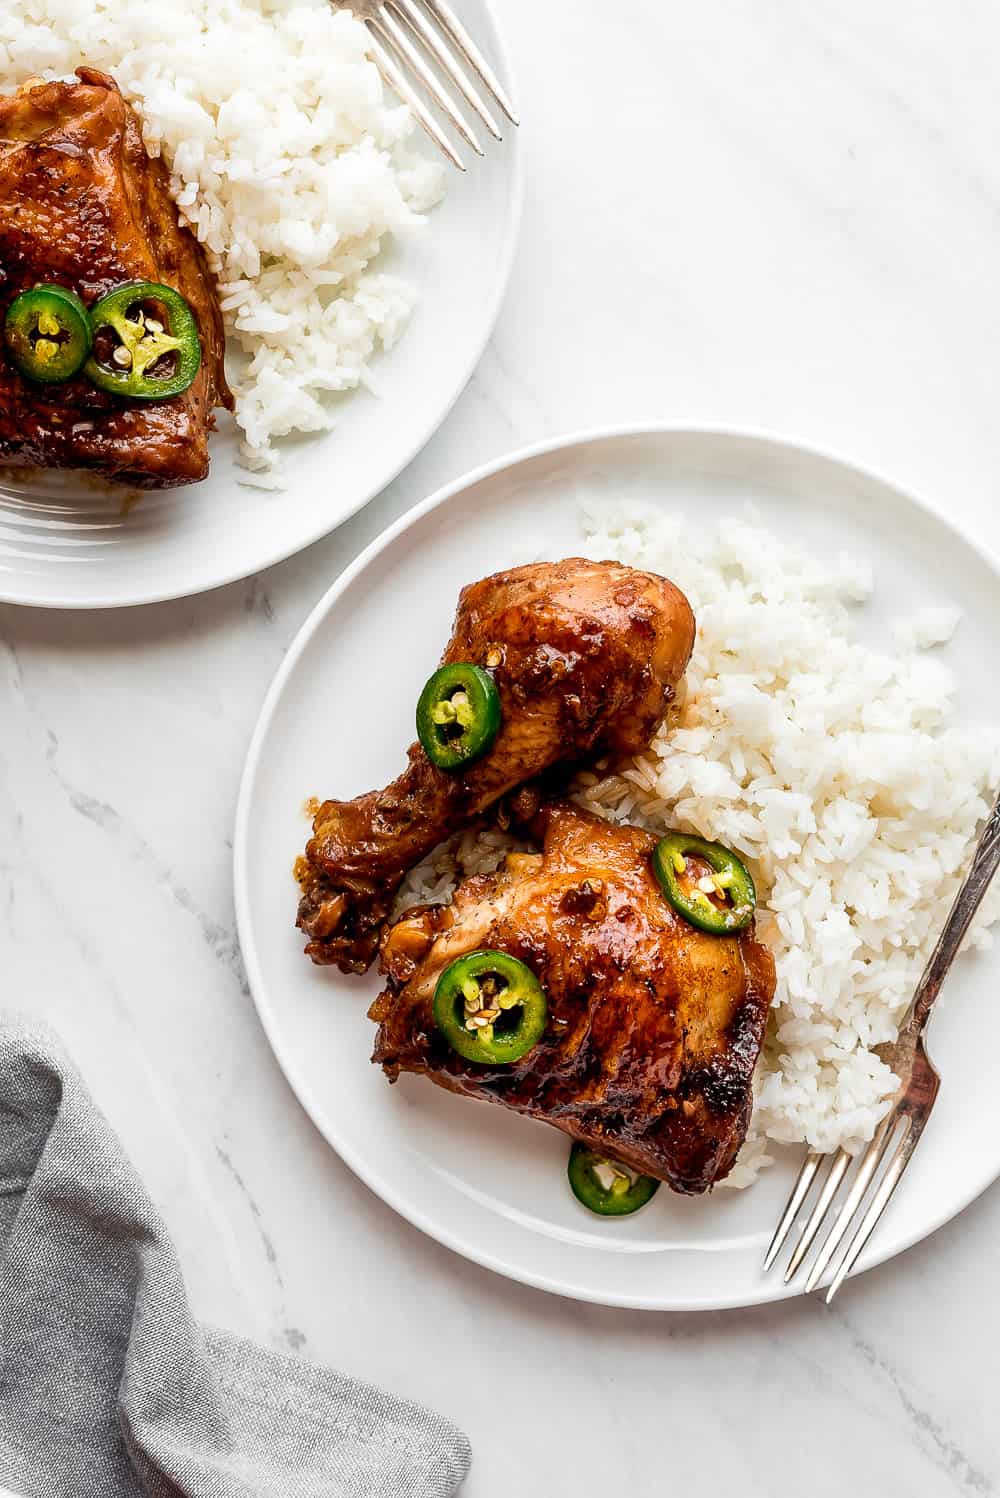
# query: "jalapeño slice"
(490, 1007)
(458, 715)
(47, 332)
(721, 901)
(146, 343)
(606, 1187)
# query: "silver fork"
(897, 1135)
(406, 37)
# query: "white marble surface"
(745, 211)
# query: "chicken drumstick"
(585, 657)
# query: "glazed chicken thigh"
(83, 205)
(585, 657)
(653, 1027)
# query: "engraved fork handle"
(973, 887)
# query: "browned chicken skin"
(653, 1027)
(83, 206)
(585, 656)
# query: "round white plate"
(337, 721)
(68, 543)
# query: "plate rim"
(513, 147)
(771, 1290)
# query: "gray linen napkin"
(108, 1388)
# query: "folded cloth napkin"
(108, 1388)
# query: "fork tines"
(423, 43)
(891, 1147)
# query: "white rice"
(839, 773)
(289, 164)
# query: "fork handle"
(973, 887)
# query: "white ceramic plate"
(66, 543)
(484, 1182)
